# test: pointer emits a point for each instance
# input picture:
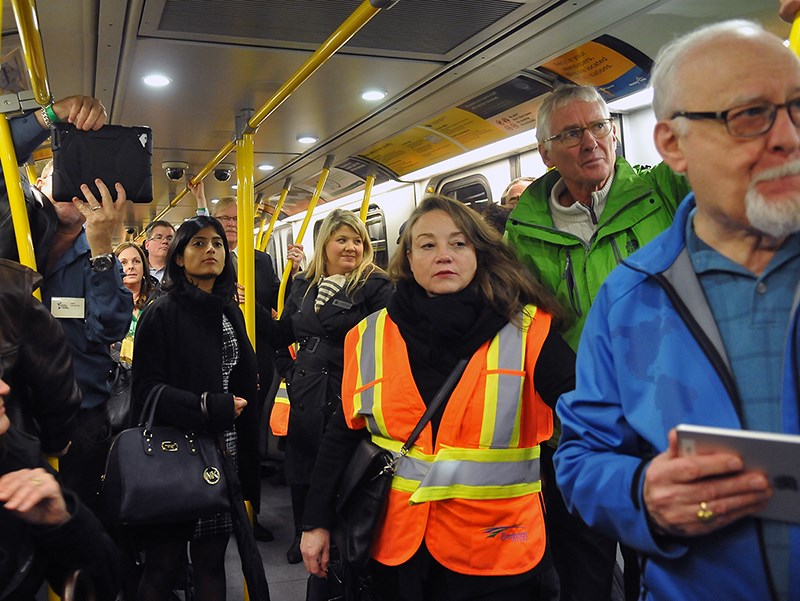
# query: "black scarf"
(440, 330)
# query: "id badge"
(65, 307)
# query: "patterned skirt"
(219, 523)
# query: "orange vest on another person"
(475, 498)
(279, 416)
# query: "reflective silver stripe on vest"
(509, 387)
(481, 473)
(410, 468)
(367, 368)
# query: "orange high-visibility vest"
(279, 416)
(475, 498)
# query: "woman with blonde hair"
(341, 286)
(464, 519)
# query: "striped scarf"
(327, 288)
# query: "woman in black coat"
(193, 339)
(341, 287)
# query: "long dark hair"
(175, 276)
(501, 279)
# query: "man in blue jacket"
(692, 329)
(83, 289)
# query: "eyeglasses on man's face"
(574, 135)
(160, 237)
(747, 121)
(226, 219)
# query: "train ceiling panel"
(412, 29)
(228, 55)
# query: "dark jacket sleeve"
(555, 369)
(338, 445)
(80, 544)
(267, 281)
(279, 333)
(381, 290)
(109, 305)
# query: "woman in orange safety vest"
(464, 519)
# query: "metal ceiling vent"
(424, 29)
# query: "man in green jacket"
(571, 227)
(580, 220)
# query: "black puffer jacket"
(35, 361)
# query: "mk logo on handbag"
(211, 475)
(169, 446)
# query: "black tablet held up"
(113, 153)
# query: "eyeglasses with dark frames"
(573, 136)
(747, 121)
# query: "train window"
(473, 191)
(272, 252)
(376, 227)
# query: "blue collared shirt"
(752, 313)
(108, 306)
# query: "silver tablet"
(777, 455)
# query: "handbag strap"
(149, 409)
(442, 395)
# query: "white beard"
(777, 218)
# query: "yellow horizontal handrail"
(360, 17)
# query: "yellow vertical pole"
(31, 42)
(326, 169)
(246, 271)
(16, 198)
(244, 212)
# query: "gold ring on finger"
(37, 481)
(97, 208)
(704, 514)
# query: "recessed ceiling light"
(266, 167)
(307, 139)
(156, 80)
(374, 95)
(234, 187)
(214, 201)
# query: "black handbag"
(158, 474)
(119, 403)
(364, 488)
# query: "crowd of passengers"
(674, 284)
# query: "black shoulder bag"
(157, 474)
(364, 488)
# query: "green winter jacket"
(640, 205)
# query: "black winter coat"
(314, 383)
(267, 287)
(179, 342)
(35, 360)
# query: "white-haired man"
(693, 329)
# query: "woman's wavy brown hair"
(146, 286)
(501, 279)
